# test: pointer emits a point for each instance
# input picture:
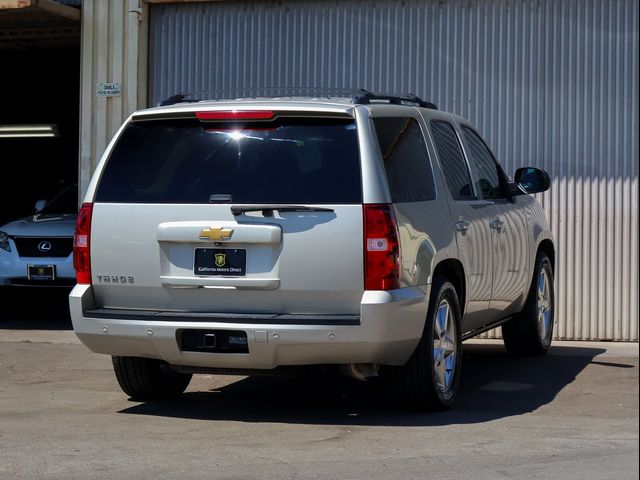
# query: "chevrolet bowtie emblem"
(216, 234)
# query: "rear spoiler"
(236, 115)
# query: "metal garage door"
(553, 84)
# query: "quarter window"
(406, 161)
(454, 167)
(488, 174)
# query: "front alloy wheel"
(531, 330)
(544, 305)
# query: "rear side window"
(454, 167)
(406, 161)
(288, 161)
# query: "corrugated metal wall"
(550, 83)
(113, 50)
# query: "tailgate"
(144, 257)
(164, 237)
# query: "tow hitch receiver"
(212, 341)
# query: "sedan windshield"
(65, 202)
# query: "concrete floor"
(572, 414)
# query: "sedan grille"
(43, 246)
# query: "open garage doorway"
(39, 97)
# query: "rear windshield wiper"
(267, 210)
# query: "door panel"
(511, 253)
(470, 220)
(475, 245)
(507, 225)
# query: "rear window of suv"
(290, 161)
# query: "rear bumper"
(389, 328)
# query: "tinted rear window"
(406, 161)
(185, 161)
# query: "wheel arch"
(548, 248)
(453, 270)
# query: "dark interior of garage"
(39, 86)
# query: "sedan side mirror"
(40, 204)
(532, 180)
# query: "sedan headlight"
(4, 242)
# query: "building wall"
(114, 49)
(550, 83)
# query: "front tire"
(429, 380)
(530, 332)
(145, 379)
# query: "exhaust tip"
(360, 371)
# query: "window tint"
(406, 161)
(488, 177)
(454, 167)
(185, 161)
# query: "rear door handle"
(462, 225)
(497, 224)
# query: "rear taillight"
(81, 244)
(381, 248)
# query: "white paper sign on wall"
(105, 89)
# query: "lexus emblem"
(44, 246)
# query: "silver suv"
(374, 233)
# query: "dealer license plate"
(220, 261)
(41, 272)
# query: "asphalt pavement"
(572, 414)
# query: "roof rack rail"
(358, 96)
(257, 92)
(364, 97)
(177, 98)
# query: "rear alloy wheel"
(530, 332)
(145, 379)
(444, 347)
(430, 378)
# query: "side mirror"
(40, 204)
(532, 180)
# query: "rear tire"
(146, 379)
(530, 332)
(429, 380)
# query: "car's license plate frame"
(218, 262)
(41, 273)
